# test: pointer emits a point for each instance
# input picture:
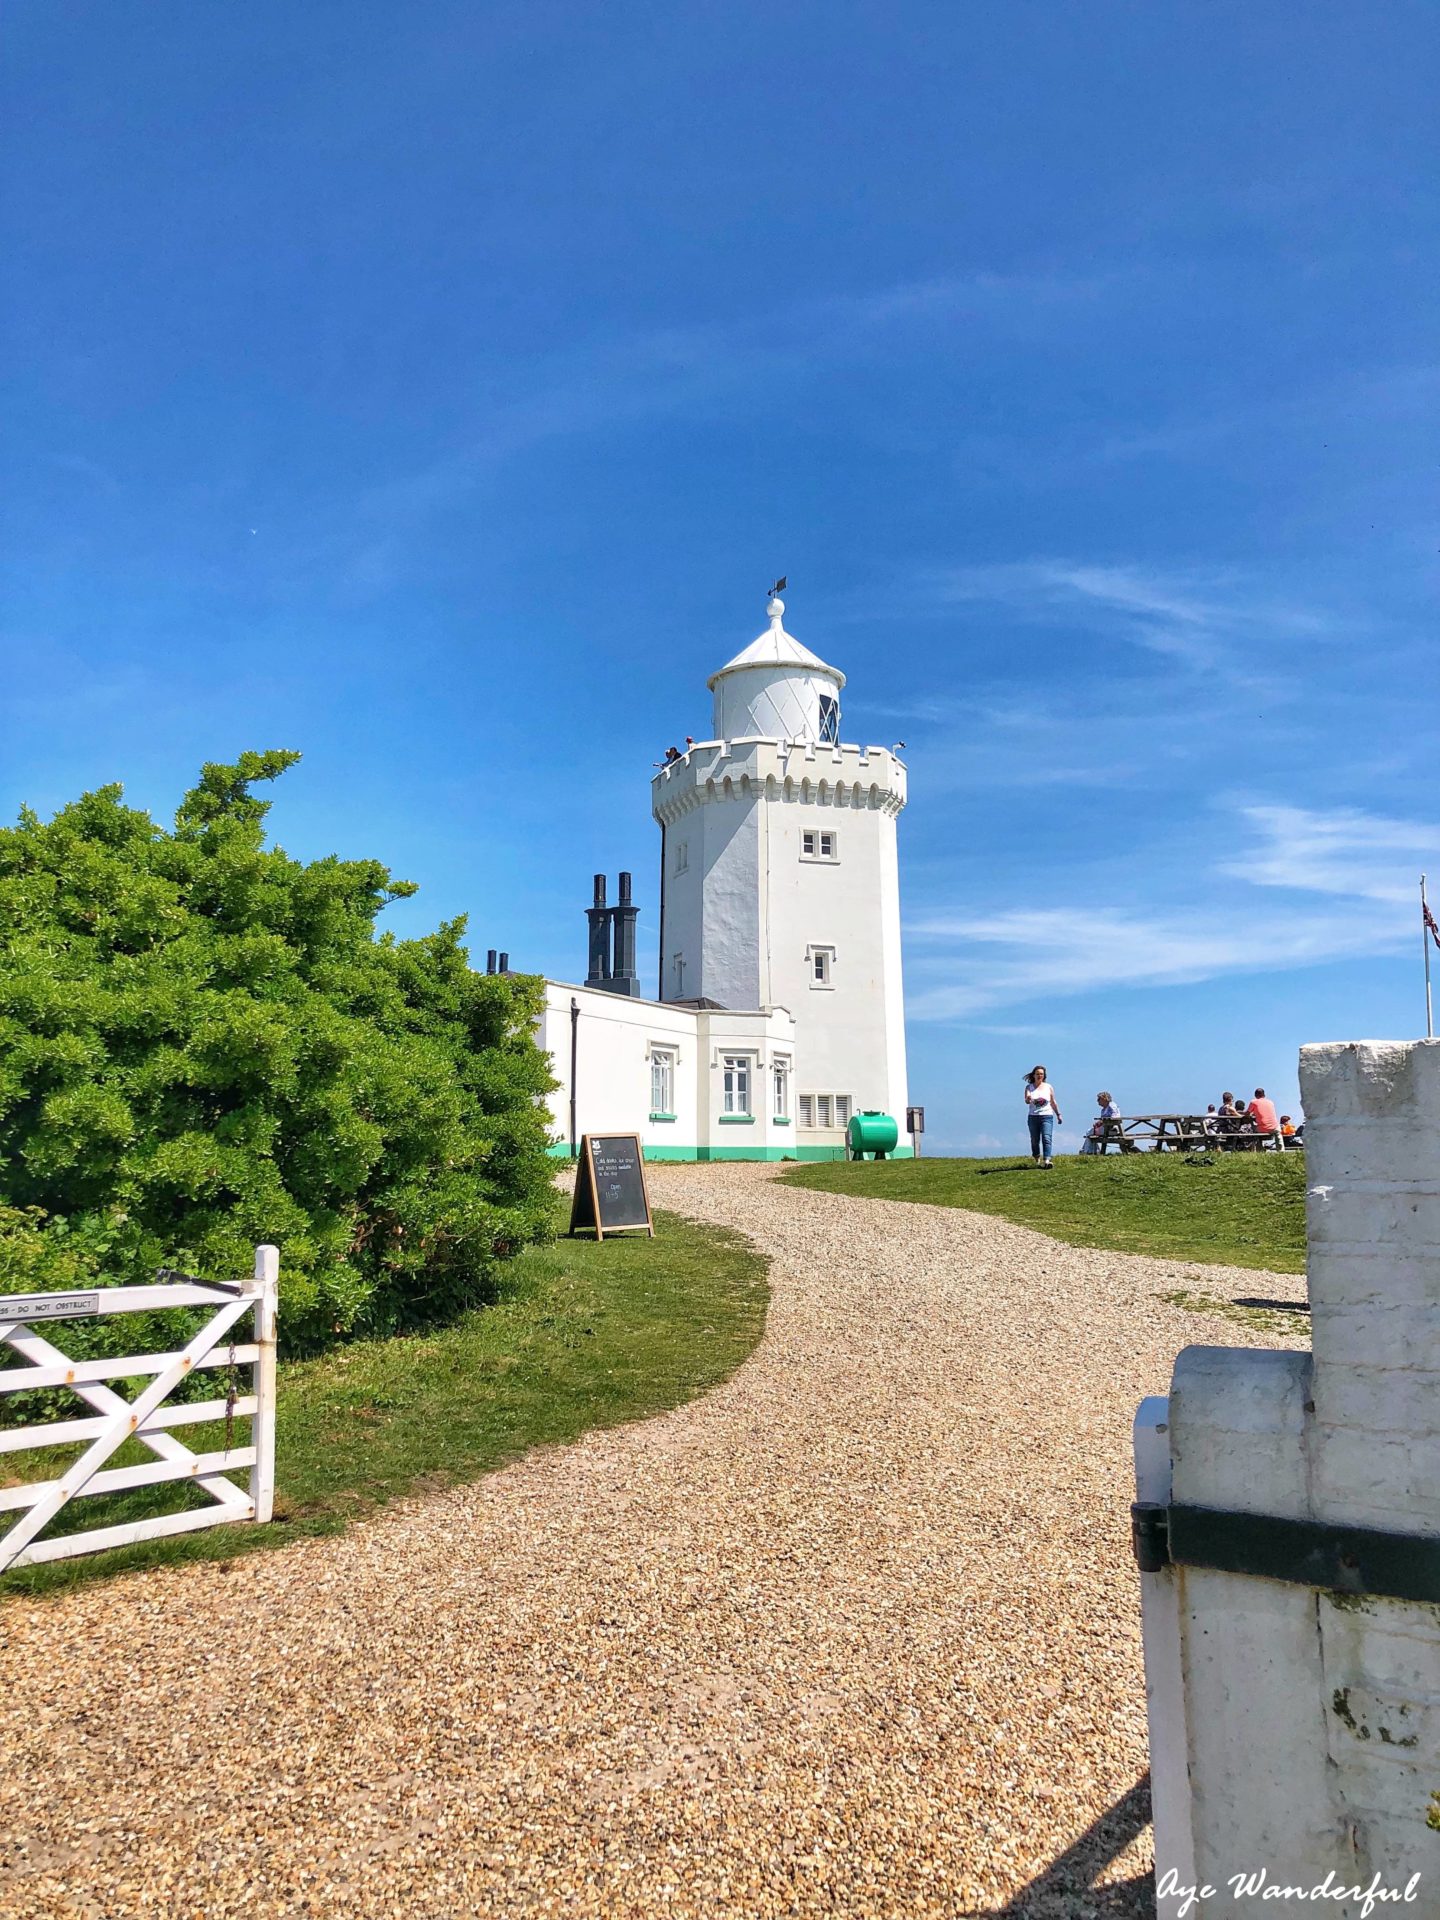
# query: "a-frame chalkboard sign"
(610, 1195)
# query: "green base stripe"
(692, 1154)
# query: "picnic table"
(1176, 1132)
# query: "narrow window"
(662, 1080)
(679, 965)
(807, 1109)
(682, 856)
(736, 1083)
(829, 719)
(821, 962)
(781, 1078)
(842, 1109)
(810, 843)
(827, 846)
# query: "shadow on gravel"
(1066, 1889)
(1272, 1306)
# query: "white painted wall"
(748, 911)
(1310, 1724)
(615, 1037)
(772, 702)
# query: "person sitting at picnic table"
(1262, 1112)
(1287, 1128)
(1094, 1139)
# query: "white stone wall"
(747, 911)
(615, 1037)
(1305, 1724)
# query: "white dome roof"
(776, 648)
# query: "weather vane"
(779, 587)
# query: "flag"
(1430, 926)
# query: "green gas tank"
(872, 1132)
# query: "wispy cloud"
(1360, 865)
(1209, 622)
(1345, 851)
(677, 370)
(1028, 954)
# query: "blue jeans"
(1042, 1132)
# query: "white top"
(775, 689)
(1040, 1099)
(777, 648)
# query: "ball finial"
(774, 606)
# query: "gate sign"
(610, 1194)
(915, 1119)
(47, 1306)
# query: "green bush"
(204, 1045)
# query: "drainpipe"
(574, 1068)
(660, 981)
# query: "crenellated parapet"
(803, 773)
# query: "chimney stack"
(504, 963)
(624, 977)
(490, 961)
(598, 915)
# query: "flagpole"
(1425, 925)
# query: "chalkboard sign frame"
(586, 1213)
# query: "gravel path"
(855, 1634)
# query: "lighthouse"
(780, 877)
(778, 1013)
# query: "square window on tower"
(819, 843)
(829, 719)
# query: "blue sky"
(437, 389)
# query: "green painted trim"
(663, 1116)
(780, 1120)
(561, 1151)
(736, 1119)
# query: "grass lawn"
(583, 1335)
(1241, 1210)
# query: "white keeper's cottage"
(779, 1011)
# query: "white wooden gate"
(147, 1418)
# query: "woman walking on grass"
(1043, 1114)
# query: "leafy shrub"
(204, 1045)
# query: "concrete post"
(1312, 1719)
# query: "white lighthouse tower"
(780, 883)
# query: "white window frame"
(737, 1073)
(820, 846)
(663, 1062)
(677, 964)
(821, 962)
(780, 1087)
(829, 721)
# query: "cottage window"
(780, 1081)
(662, 1080)
(736, 1069)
